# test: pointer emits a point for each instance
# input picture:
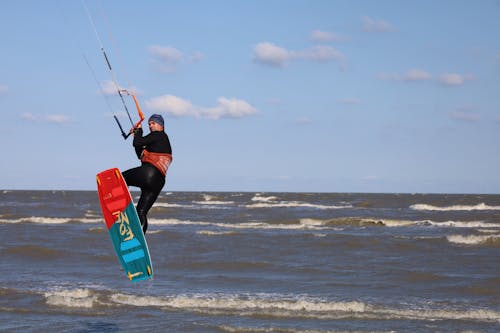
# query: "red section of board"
(113, 194)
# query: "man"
(155, 153)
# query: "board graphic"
(123, 225)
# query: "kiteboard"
(123, 224)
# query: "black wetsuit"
(147, 176)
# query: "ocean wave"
(258, 197)
(32, 251)
(213, 200)
(281, 306)
(245, 304)
(171, 205)
(480, 206)
(216, 233)
(51, 220)
(295, 204)
(302, 224)
(270, 204)
(239, 329)
(269, 305)
(215, 203)
(442, 224)
(325, 224)
(464, 224)
(474, 239)
(273, 202)
(73, 298)
(385, 222)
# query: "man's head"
(156, 123)
(157, 119)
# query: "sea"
(255, 262)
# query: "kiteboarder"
(155, 153)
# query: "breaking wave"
(474, 239)
(73, 298)
(480, 206)
(325, 224)
(51, 220)
(269, 305)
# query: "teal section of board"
(130, 245)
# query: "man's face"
(155, 127)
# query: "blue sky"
(305, 96)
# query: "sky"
(264, 95)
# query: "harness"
(160, 160)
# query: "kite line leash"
(119, 90)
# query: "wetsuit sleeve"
(154, 142)
(138, 148)
(141, 141)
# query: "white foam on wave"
(488, 231)
(281, 306)
(304, 224)
(315, 224)
(324, 224)
(242, 304)
(480, 206)
(258, 202)
(215, 233)
(464, 224)
(441, 314)
(51, 220)
(443, 224)
(390, 223)
(276, 305)
(294, 204)
(258, 197)
(156, 221)
(273, 202)
(212, 200)
(472, 239)
(215, 203)
(170, 205)
(74, 298)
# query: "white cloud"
(167, 58)
(172, 105)
(326, 36)
(452, 79)
(178, 107)
(57, 118)
(166, 53)
(195, 57)
(270, 54)
(465, 116)
(320, 53)
(28, 116)
(229, 107)
(421, 75)
(417, 75)
(109, 88)
(411, 75)
(375, 25)
(51, 118)
(273, 55)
